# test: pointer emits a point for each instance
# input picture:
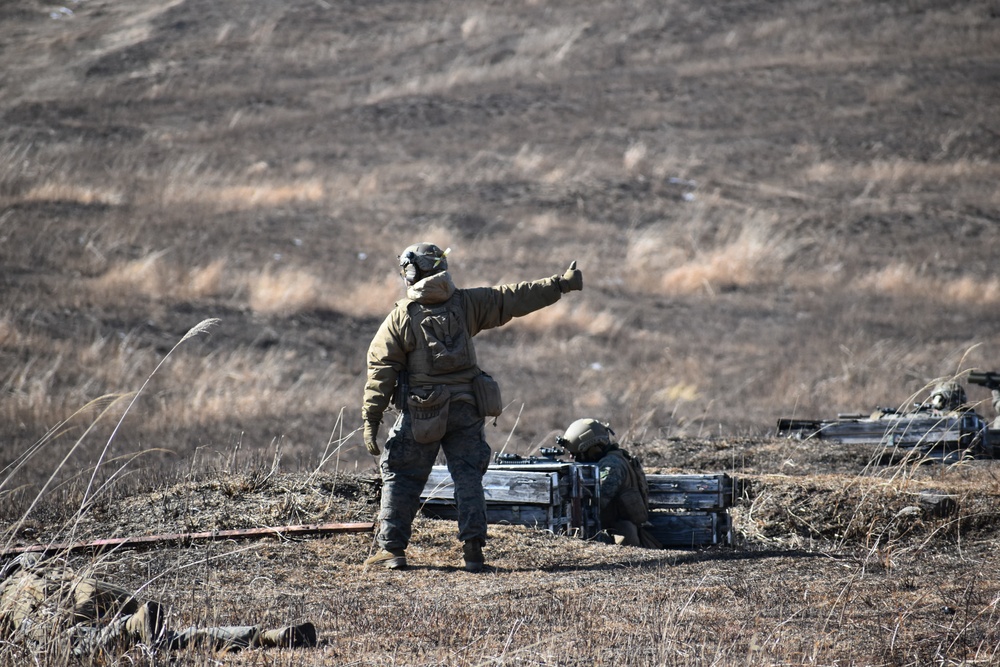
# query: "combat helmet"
(583, 436)
(948, 396)
(421, 260)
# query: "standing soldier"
(624, 494)
(422, 359)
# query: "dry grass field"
(781, 209)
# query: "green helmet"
(421, 260)
(584, 435)
(948, 396)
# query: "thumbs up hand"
(572, 280)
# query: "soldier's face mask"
(408, 267)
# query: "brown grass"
(779, 211)
(826, 568)
(904, 280)
(48, 192)
(245, 197)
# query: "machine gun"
(921, 430)
(548, 455)
(988, 379)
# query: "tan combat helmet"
(948, 396)
(421, 260)
(583, 436)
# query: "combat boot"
(293, 636)
(472, 552)
(394, 559)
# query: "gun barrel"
(990, 379)
(798, 425)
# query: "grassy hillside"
(781, 209)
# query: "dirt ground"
(782, 209)
(825, 567)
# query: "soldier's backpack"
(634, 500)
(640, 476)
(444, 344)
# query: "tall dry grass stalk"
(200, 328)
(42, 447)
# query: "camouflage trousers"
(406, 464)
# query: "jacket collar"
(432, 289)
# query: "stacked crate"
(555, 496)
(562, 497)
(691, 510)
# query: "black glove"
(572, 280)
(371, 431)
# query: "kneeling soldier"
(624, 494)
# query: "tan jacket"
(484, 307)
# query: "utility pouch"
(487, 393)
(632, 506)
(428, 413)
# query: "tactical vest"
(443, 343)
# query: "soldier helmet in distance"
(948, 396)
(584, 435)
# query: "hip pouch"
(632, 506)
(487, 393)
(428, 410)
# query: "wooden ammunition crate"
(687, 510)
(560, 497)
(691, 528)
(690, 492)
